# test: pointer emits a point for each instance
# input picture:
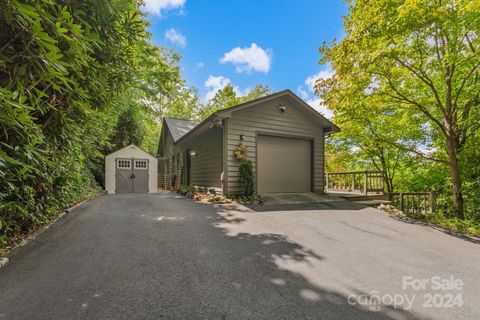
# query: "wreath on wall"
(241, 152)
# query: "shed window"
(140, 164)
(123, 164)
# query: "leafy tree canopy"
(409, 67)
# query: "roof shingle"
(179, 127)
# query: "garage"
(283, 164)
(130, 170)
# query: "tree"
(258, 91)
(156, 89)
(227, 97)
(130, 128)
(420, 56)
(65, 67)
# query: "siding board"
(266, 118)
(207, 166)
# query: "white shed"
(130, 170)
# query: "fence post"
(326, 181)
(365, 183)
(401, 201)
(353, 182)
(383, 182)
(433, 201)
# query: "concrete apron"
(298, 198)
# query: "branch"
(472, 71)
(470, 44)
(414, 150)
(424, 110)
(425, 79)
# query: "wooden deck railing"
(363, 182)
(414, 202)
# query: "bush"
(246, 177)
(186, 189)
(466, 226)
(63, 63)
(253, 199)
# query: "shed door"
(140, 175)
(283, 165)
(123, 176)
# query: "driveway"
(162, 256)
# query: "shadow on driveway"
(163, 256)
(332, 205)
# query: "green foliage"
(465, 226)
(227, 97)
(77, 80)
(186, 189)
(130, 128)
(224, 98)
(252, 199)
(246, 177)
(406, 87)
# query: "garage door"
(283, 165)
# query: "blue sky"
(248, 42)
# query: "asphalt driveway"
(166, 257)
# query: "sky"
(248, 42)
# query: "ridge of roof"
(333, 127)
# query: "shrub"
(186, 189)
(246, 177)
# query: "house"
(130, 170)
(283, 134)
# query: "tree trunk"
(389, 181)
(455, 174)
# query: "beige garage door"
(284, 165)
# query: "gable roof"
(179, 127)
(326, 124)
(131, 146)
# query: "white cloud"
(176, 37)
(306, 92)
(323, 74)
(157, 7)
(249, 59)
(215, 83)
(317, 104)
(302, 92)
(200, 65)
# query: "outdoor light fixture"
(193, 153)
(217, 122)
(241, 137)
(282, 108)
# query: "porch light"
(193, 153)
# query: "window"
(140, 164)
(123, 164)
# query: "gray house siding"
(265, 118)
(293, 134)
(165, 163)
(207, 166)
